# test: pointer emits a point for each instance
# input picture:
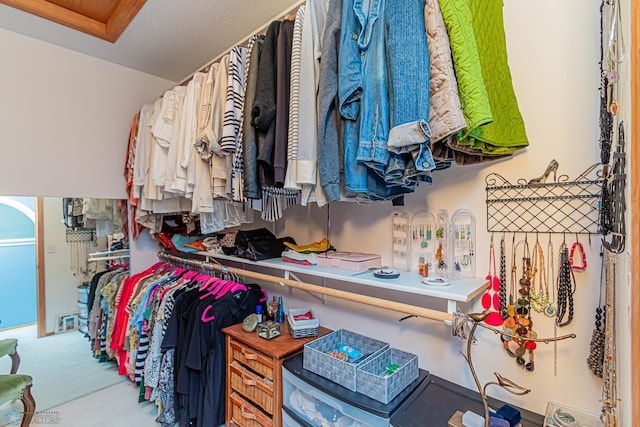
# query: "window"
(17, 220)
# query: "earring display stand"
(423, 239)
(443, 254)
(401, 240)
(560, 206)
(463, 242)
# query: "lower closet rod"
(426, 313)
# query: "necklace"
(550, 309)
(540, 296)
(503, 280)
(566, 288)
(514, 271)
(595, 359)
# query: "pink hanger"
(156, 266)
(208, 282)
(189, 275)
(213, 290)
(228, 286)
(231, 287)
(204, 317)
(177, 271)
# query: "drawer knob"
(246, 414)
(248, 355)
(248, 381)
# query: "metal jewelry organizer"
(559, 206)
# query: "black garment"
(92, 289)
(206, 355)
(264, 104)
(249, 132)
(283, 83)
(175, 338)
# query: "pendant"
(550, 310)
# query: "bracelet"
(583, 258)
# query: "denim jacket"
(366, 46)
(362, 94)
(350, 89)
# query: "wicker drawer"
(244, 414)
(253, 359)
(256, 389)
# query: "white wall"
(65, 119)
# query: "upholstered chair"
(18, 387)
(9, 347)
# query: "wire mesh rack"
(561, 206)
(80, 236)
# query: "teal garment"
(12, 387)
(506, 133)
(179, 241)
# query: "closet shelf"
(461, 290)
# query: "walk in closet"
(519, 234)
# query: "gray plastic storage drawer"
(319, 409)
(288, 421)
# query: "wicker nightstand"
(254, 375)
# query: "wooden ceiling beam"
(122, 15)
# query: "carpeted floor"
(61, 365)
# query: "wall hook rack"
(541, 206)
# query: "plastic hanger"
(230, 287)
(214, 288)
(204, 316)
(207, 283)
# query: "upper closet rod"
(243, 40)
(114, 252)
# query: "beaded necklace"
(503, 280)
(566, 288)
(595, 359)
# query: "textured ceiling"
(168, 38)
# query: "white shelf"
(461, 290)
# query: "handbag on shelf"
(261, 249)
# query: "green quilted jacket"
(479, 50)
